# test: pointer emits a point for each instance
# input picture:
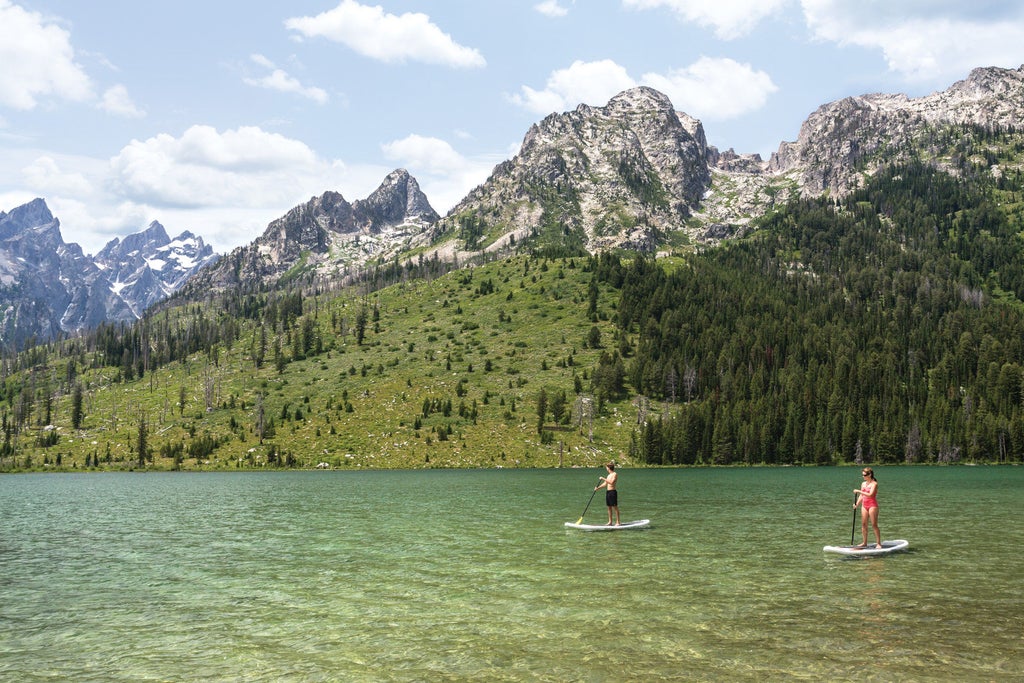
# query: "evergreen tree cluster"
(885, 328)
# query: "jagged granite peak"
(617, 176)
(398, 200)
(989, 96)
(327, 235)
(153, 236)
(40, 276)
(306, 227)
(30, 240)
(326, 221)
(148, 266)
(639, 125)
(35, 214)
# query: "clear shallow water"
(469, 575)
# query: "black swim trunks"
(611, 498)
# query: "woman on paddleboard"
(867, 499)
(611, 495)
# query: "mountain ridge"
(842, 142)
(634, 175)
(327, 234)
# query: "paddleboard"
(636, 524)
(854, 551)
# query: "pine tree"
(142, 445)
(77, 415)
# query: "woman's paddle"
(854, 527)
(580, 520)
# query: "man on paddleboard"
(611, 495)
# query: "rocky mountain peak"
(397, 200)
(155, 232)
(843, 142)
(154, 236)
(614, 176)
(986, 82)
(31, 215)
(148, 266)
(639, 100)
(306, 228)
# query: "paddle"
(580, 520)
(854, 527)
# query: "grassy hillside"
(449, 374)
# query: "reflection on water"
(452, 575)
(880, 628)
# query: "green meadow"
(448, 372)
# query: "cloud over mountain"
(710, 89)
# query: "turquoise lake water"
(471, 576)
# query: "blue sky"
(219, 116)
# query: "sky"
(219, 116)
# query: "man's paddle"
(580, 520)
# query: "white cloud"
(262, 61)
(430, 154)
(387, 37)
(551, 8)
(281, 81)
(38, 61)
(445, 175)
(709, 89)
(714, 89)
(729, 18)
(223, 185)
(924, 40)
(117, 101)
(45, 177)
(91, 226)
(206, 167)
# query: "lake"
(453, 575)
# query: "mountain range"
(49, 287)
(633, 175)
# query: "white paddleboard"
(637, 524)
(854, 551)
